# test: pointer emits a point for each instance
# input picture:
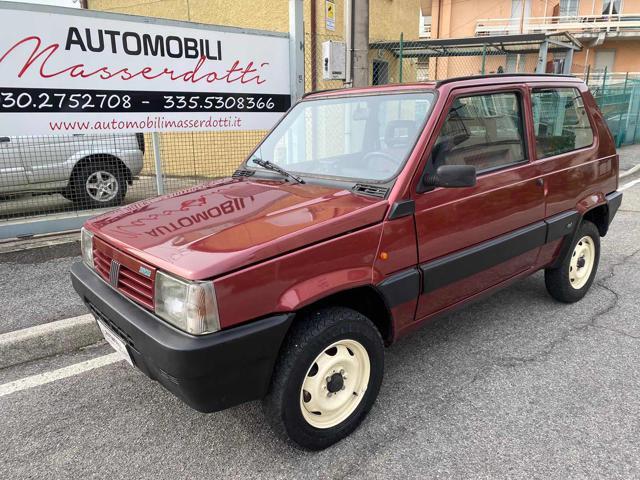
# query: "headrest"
(400, 133)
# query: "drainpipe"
(435, 64)
(312, 47)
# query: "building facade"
(609, 30)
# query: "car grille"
(122, 272)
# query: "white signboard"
(68, 71)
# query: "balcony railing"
(578, 25)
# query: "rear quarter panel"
(579, 179)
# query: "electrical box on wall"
(333, 60)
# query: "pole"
(360, 51)
(348, 38)
(484, 57)
(524, 4)
(604, 81)
(401, 53)
(635, 125)
(586, 79)
(296, 49)
(155, 140)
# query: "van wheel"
(327, 377)
(572, 279)
(98, 185)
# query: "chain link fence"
(45, 175)
(42, 176)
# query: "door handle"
(540, 182)
(5, 139)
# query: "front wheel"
(327, 377)
(572, 279)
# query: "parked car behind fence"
(90, 170)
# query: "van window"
(482, 130)
(560, 121)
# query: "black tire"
(558, 281)
(311, 336)
(80, 195)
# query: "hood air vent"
(371, 190)
(242, 173)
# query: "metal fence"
(618, 96)
(45, 176)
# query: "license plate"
(114, 340)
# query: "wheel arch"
(100, 158)
(366, 300)
(595, 209)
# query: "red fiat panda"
(361, 216)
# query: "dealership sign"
(72, 71)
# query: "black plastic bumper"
(614, 200)
(209, 372)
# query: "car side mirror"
(451, 176)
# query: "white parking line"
(52, 376)
(629, 185)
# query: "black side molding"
(561, 225)
(403, 208)
(456, 266)
(400, 287)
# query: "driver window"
(485, 131)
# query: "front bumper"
(210, 372)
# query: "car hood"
(220, 226)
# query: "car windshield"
(352, 137)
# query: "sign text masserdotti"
(37, 56)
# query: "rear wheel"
(572, 279)
(327, 377)
(98, 184)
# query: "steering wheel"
(380, 162)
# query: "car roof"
(469, 81)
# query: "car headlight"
(86, 246)
(190, 306)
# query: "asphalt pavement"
(36, 287)
(516, 386)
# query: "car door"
(470, 239)
(12, 172)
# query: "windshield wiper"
(276, 168)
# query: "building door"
(605, 59)
(517, 14)
(568, 8)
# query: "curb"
(46, 340)
(631, 171)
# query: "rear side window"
(560, 121)
(482, 130)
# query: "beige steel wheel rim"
(582, 261)
(335, 383)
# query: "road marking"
(629, 185)
(54, 375)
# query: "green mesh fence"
(618, 96)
